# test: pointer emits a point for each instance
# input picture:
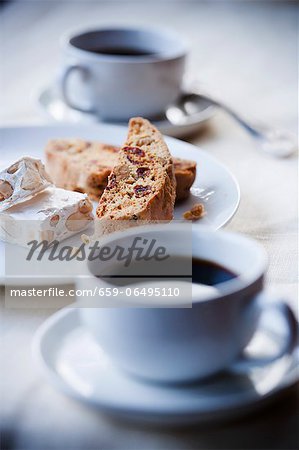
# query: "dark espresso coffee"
(121, 51)
(177, 268)
(210, 273)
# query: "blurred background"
(241, 52)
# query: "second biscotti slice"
(142, 185)
(84, 166)
(79, 165)
(185, 173)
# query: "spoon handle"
(278, 143)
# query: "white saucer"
(74, 364)
(53, 106)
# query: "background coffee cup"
(118, 73)
(182, 344)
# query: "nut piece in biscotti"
(142, 185)
(53, 214)
(84, 166)
(185, 173)
(80, 166)
(21, 181)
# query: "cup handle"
(85, 74)
(244, 362)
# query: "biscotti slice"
(80, 166)
(185, 173)
(142, 185)
(84, 166)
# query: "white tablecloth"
(245, 54)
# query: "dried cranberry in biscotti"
(141, 191)
(143, 172)
(134, 154)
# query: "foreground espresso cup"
(181, 344)
(119, 73)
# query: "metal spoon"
(188, 108)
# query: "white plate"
(53, 106)
(214, 186)
(74, 364)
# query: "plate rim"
(212, 159)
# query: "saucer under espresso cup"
(118, 73)
(52, 105)
(76, 365)
(177, 344)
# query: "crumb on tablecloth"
(195, 213)
(85, 239)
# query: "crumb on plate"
(195, 213)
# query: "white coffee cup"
(177, 344)
(103, 75)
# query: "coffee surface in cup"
(121, 51)
(201, 272)
(210, 273)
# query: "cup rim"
(180, 52)
(225, 288)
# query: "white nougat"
(53, 214)
(21, 181)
